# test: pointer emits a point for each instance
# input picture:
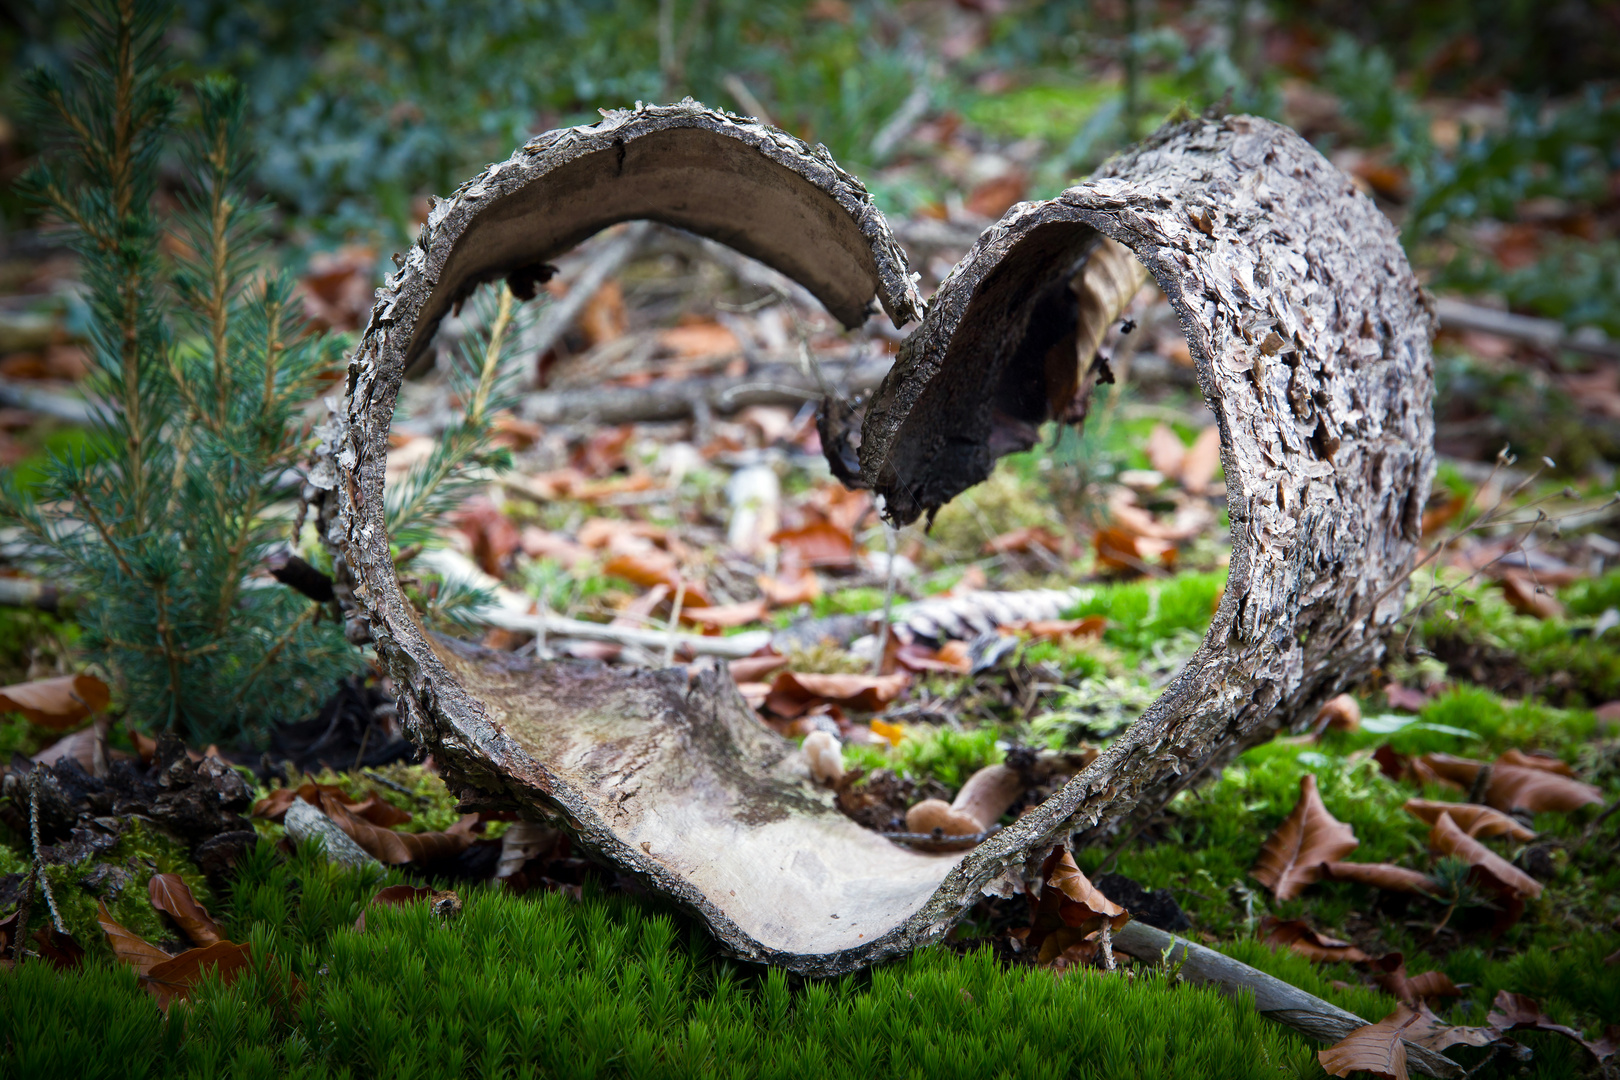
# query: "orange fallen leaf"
(802, 588)
(1386, 876)
(893, 734)
(1292, 857)
(653, 567)
(722, 616)
(698, 340)
(1297, 935)
(537, 543)
(1060, 629)
(1023, 541)
(1473, 819)
(57, 704)
(795, 693)
(820, 543)
(603, 318)
(951, 656)
(173, 897)
(753, 668)
(1121, 549)
(995, 196)
(494, 538)
(1502, 876)
(1439, 515)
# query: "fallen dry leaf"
(1527, 597)
(1165, 451)
(1439, 515)
(603, 318)
(1060, 629)
(537, 543)
(1297, 935)
(1069, 908)
(128, 947)
(820, 544)
(1385, 876)
(753, 668)
(1515, 787)
(393, 848)
(1380, 1048)
(1389, 971)
(653, 567)
(373, 808)
(1201, 461)
(493, 537)
(722, 616)
(795, 693)
(174, 978)
(393, 896)
(1405, 697)
(1473, 819)
(1518, 1012)
(1121, 549)
(1446, 838)
(58, 949)
(698, 340)
(1023, 541)
(1338, 714)
(1292, 857)
(1398, 766)
(995, 196)
(173, 897)
(951, 656)
(893, 734)
(57, 704)
(1544, 762)
(802, 588)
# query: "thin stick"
(674, 623)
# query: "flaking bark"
(1311, 338)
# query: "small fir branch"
(205, 364)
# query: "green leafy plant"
(201, 370)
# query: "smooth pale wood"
(1326, 445)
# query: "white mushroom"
(826, 757)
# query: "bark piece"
(1327, 451)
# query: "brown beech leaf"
(753, 668)
(1447, 839)
(820, 543)
(1165, 450)
(1389, 971)
(1121, 549)
(1527, 597)
(1203, 457)
(801, 588)
(1519, 1012)
(952, 656)
(1473, 819)
(1380, 1048)
(649, 567)
(174, 977)
(1069, 908)
(1024, 540)
(1386, 876)
(1091, 626)
(57, 704)
(373, 808)
(1514, 786)
(1338, 714)
(394, 896)
(1404, 697)
(173, 897)
(1300, 938)
(58, 949)
(795, 693)
(1292, 857)
(1544, 762)
(132, 949)
(394, 848)
(724, 616)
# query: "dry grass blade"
(1292, 857)
(130, 948)
(1446, 838)
(1473, 819)
(1386, 876)
(173, 897)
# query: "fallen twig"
(1276, 1000)
(45, 402)
(1546, 333)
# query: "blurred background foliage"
(1457, 112)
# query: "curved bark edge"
(1311, 339)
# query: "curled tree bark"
(1311, 338)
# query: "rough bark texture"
(1311, 339)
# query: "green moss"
(1007, 500)
(541, 986)
(848, 602)
(1142, 613)
(941, 754)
